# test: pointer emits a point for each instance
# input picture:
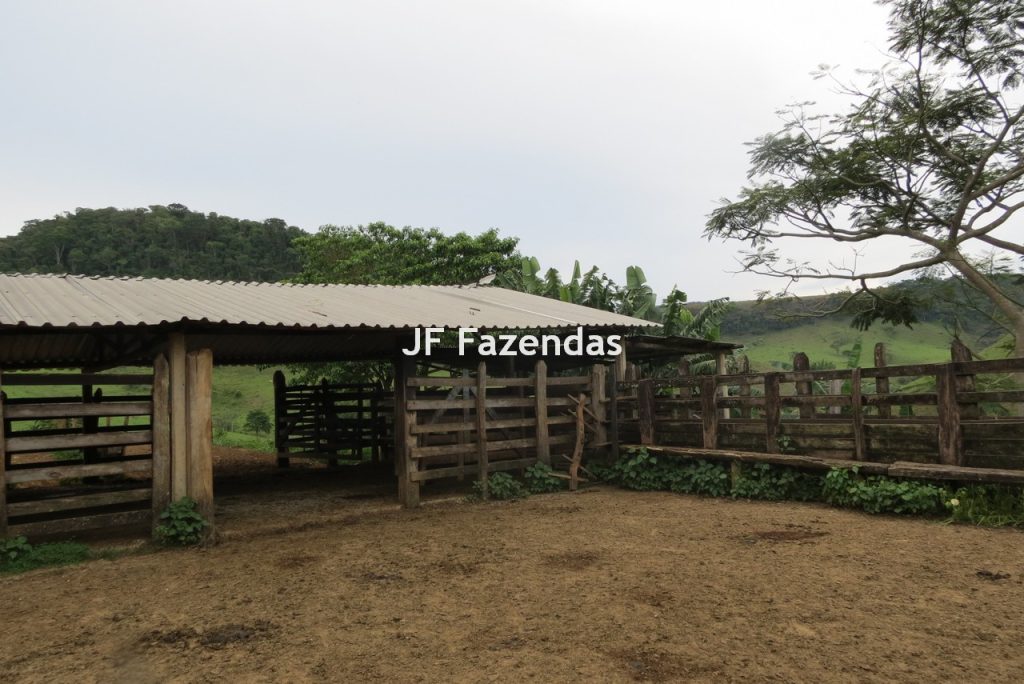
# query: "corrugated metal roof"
(38, 301)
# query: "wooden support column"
(951, 438)
(613, 414)
(645, 403)
(405, 465)
(3, 465)
(745, 411)
(965, 383)
(200, 432)
(280, 420)
(803, 389)
(161, 423)
(709, 411)
(176, 356)
(857, 411)
(772, 412)
(540, 406)
(619, 368)
(481, 426)
(598, 405)
(882, 384)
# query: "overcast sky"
(603, 131)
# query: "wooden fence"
(331, 421)
(76, 462)
(942, 417)
(483, 423)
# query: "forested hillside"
(157, 241)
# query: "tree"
(257, 422)
(930, 153)
(379, 254)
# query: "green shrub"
(181, 523)
(501, 486)
(641, 471)
(771, 483)
(540, 480)
(879, 494)
(17, 555)
(989, 505)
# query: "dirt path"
(604, 585)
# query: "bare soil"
(319, 578)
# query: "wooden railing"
(484, 423)
(331, 421)
(842, 414)
(75, 462)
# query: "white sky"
(603, 131)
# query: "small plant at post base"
(14, 548)
(501, 486)
(181, 523)
(539, 479)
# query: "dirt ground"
(320, 579)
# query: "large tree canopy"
(384, 255)
(931, 152)
(158, 241)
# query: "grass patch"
(242, 440)
(20, 556)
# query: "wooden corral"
(942, 428)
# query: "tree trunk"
(1014, 313)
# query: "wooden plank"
(500, 424)
(481, 426)
(857, 412)
(794, 460)
(161, 429)
(493, 445)
(772, 412)
(67, 503)
(440, 382)
(932, 471)
(72, 470)
(474, 469)
(645, 395)
(951, 438)
(77, 441)
(565, 380)
(598, 384)
(68, 526)
(709, 412)
(176, 359)
(47, 379)
(78, 409)
(200, 432)
(540, 398)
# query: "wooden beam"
(70, 503)
(951, 437)
(540, 396)
(79, 379)
(709, 411)
(59, 472)
(67, 526)
(176, 357)
(161, 429)
(857, 411)
(481, 425)
(200, 432)
(74, 409)
(77, 441)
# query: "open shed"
(182, 328)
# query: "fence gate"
(71, 462)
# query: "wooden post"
(481, 425)
(857, 411)
(882, 384)
(540, 407)
(835, 388)
(803, 389)
(598, 373)
(721, 390)
(619, 369)
(645, 402)
(772, 412)
(281, 420)
(405, 465)
(613, 414)
(709, 411)
(685, 392)
(3, 466)
(200, 432)
(463, 437)
(161, 425)
(964, 383)
(90, 424)
(745, 411)
(179, 421)
(951, 439)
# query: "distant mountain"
(157, 241)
